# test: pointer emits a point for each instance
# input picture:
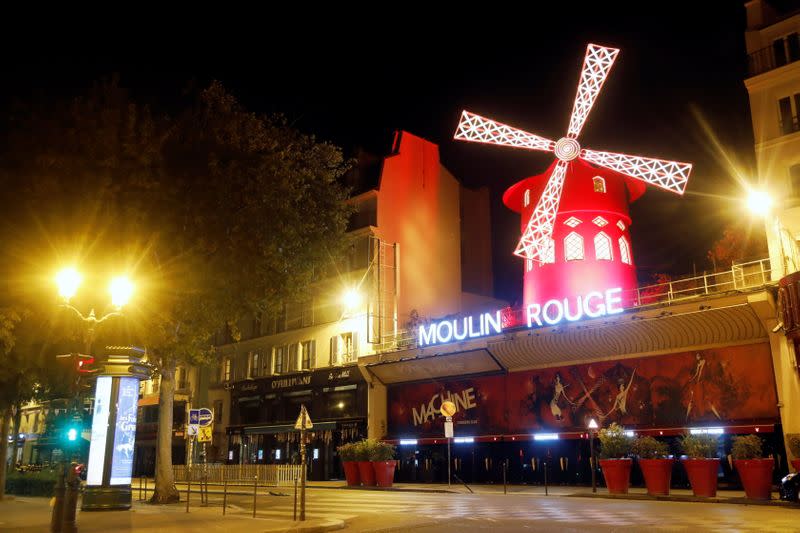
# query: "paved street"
(363, 511)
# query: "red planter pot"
(796, 465)
(756, 476)
(367, 473)
(657, 475)
(351, 473)
(702, 475)
(384, 472)
(617, 473)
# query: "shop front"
(537, 420)
(264, 411)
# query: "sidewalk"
(28, 514)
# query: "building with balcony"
(419, 248)
(772, 39)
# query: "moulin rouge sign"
(592, 305)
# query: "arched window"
(599, 184)
(526, 198)
(624, 251)
(573, 247)
(602, 246)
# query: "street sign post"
(303, 423)
(204, 434)
(205, 416)
(448, 409)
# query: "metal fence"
(268, 475)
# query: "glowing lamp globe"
(68, 280)
(351, 299)
(759, 202)
(121, 290)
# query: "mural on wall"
(724, 385)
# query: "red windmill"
(575, 238)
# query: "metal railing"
(766, 59)
(268, 475)
(741, 276)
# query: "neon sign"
(593, 305)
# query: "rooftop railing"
(741, 277)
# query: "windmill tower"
(574, 217)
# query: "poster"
(97, 448)
(125, 434)
(703, 387)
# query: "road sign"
(303, 420)
(194, 416)
(205, 417)
(448, 409)
(204, 433)
(448, 428)
(191, 430)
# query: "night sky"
(676, 92)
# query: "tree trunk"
(165, 491)
(17, 417)
(5, 426)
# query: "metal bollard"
(255, 493)
(505, 467)
(294, 517)
(73, 487)
(145, 488)
(188, 490)
(545, 478)
(224, 494)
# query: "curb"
(386, 489)
(328, 524)
(689, 499)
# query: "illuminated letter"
(533, 314)
(496, 324)
(463, 335)
(611, 299)
(419, 418)
(427, 337)
(601, 308)
(560, 315)
(444, 338)
(473, 333)
(573, 318)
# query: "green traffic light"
(72, 434)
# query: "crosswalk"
(578, 512)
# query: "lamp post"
(68, 281)
(761, 204)
(592, 430)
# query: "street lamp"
(592, 430)
(68, 280)
(761, 204)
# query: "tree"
(735, 244)
(216, 212)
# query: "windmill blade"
(596, 66)
(475, 128)
(669, 175)
(536, 238)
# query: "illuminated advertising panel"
(102, 403)
(125, 434)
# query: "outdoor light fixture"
(630, 433)
(463, 440)
(68, 281)
(351, 298)
(759, 202)
(121, 289)
(545, 436)
(592, 424)
(408, 442)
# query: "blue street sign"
(194, 416)
(206, 416)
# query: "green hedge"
(31, 483)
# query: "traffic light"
(71, 433)
(86, 364)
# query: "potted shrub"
(754, 471)
(701, 463)
(793, 440)
(365, 470)
(383, 462)
(347, 454)
(614, 449)
(655, 464)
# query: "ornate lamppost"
(593, 460)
